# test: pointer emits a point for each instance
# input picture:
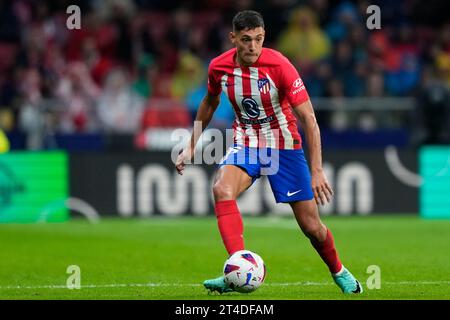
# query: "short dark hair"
(247, 19)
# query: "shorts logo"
(263, 85)
(251, 108)
(290, 194)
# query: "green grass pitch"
(168, 258)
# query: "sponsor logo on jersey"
(298, 85)
(257, 121)
(251, 108)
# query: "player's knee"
(313, 230)
(222, 191)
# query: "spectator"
(338, 119)
(188, 75)
(77, 93)
(343, 66)
(375, 85)
(119, 107)
(375, 88)
(433, 108)
(303, 42)
(442, 54)
(316, 80)
(224, 115)
(402, 64)
(344, 18)
(31, 114)
(99, 66)
(180, 28)
(147, 73)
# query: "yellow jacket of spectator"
(303, 40)
(4, 142)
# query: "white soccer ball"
(244, 271)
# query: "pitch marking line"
(275, 284)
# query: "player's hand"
(184, 157)
(321, 187)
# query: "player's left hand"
(321, 187)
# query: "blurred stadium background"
(88, 114)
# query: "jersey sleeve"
(292, 85)
(214, 87)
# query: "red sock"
(328, 253)
(230, 225)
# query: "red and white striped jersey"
(262, 97)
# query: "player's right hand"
(321, 187)
(184, 157)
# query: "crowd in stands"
(139, 64)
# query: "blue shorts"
(287, 170)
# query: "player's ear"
(232, 37)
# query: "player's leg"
(230, 181)
(321, 238)
(234, 176)
(292, 184)
(307, 216)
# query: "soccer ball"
(244, 271)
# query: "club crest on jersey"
(251, 108)
(264, 85)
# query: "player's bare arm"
(204, 115)
(320, 185)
